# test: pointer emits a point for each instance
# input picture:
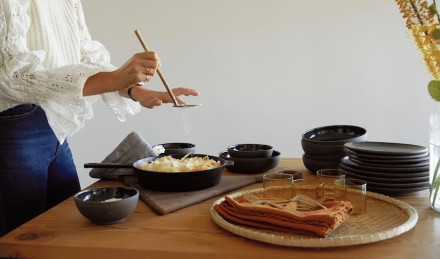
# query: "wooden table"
(63, 232)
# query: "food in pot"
(173, 165)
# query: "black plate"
(400, 191)
(390, 161)
(391, 185)
(387, 180)
(385, 148)
(379, 169)
(393, 158)
(382, 163)
(383, 174)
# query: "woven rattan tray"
(385, 218)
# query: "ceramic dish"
(176, 148)
(314, 165)
(385, 148)
(388, 180)
(250, 151)
(390, 160)
(383, 174)
(251, 165)
(106, 205)
(378, 163)
(399, 191)
(399, 169)
(335, 134)
(397, 185)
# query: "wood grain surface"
(63, 232)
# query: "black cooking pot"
(171, 181)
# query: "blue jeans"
(36, 172)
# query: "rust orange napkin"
(318, 222)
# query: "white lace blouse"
(47, 54)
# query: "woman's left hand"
(150, 99)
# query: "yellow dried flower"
(421, 21)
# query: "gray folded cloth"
(131, 149)
(165, 202)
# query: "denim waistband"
(17, 110)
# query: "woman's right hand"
(139, 68)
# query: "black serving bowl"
(106, 205)
(251, 165)
(182, 181)
(250, 151)
(176, 148)
(330, 140)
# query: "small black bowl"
(176, 148)
(251, 165)
(250, 151)
(106, 205)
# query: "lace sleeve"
(93, 51)
(24, 78)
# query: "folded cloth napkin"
(131, 149)
(318, 222)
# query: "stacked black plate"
(388, 168)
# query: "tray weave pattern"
(385, 218)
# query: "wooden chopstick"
(164, 81)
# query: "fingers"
(146, 65)
(185, 91)
(151, 103)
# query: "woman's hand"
(139, 68)
(150, 98)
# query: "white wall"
(266, 70)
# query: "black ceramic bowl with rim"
(176, 148)
(250, 151)
(335, 134)
(251, 165)
(330, 140)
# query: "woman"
(51, 73)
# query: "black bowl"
(250, 151)
(106, 205)
(314, 163)
(335, 134)
(321, 149)
(251, 165)
(176, 148)
(330, 140)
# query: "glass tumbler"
(328, 177)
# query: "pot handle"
(229, 163)
(107, 165)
